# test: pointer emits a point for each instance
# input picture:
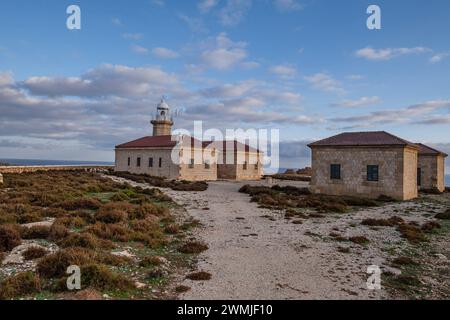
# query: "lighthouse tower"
(163, 122)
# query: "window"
(335, 172)
(129, 161)
(372, 173)
(207, 165)
(419, 177)
(245, 165)
(160, 162)
(256, 166)
(191, 164)
(138, 162)
(150, 162)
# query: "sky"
(310, 68)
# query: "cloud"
(158, 3)
(165, 53)
(6, 79)
(117, 22)
(402, 115)
(284, 71)
(139, 49)
(325, 82)
(104, 81)
(361, 102)
(194, 24)
(438, 57)
(355, 77)
(287, 5)
(250, 65)
(132, 36)
(388, 53)
(435, 120)
(234, 12)
(206, 5)
(225, 54)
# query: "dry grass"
(199, 276)
(100, 277)
(404, 261)
(182, 289)
(35, 253)
(412, 233)
(286, 198)
(9, 238)
(35, 232)
(20, 285)
(443, 215)
(163, 183)
(361, 240)
(147, 262)
(383, 222)
(193, 247)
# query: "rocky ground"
(256, 253)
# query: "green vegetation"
(92, 216)
(163, 183)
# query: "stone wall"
(168, 169)
(354, 162)
(27, 169)
(237, 171)
(432, 168)
(410, 163)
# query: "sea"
(34, 162)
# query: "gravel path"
(253, 257)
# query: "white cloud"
(287, 5)
(250, 65)
(325, 82)
(206, 5)
(402, 115)
(388, 53)
(225, 54)
(361, 102)
(355, 77)
(234, 12)
(158, 3)
(284, 71)
(139, 49)
(132, 36)
(6, 79)
(438, 57)
(194, 24)
(117, 22)
(165, 53)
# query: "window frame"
(129, 161)
(333, 168)
(373, 176)
(150, 162)
(192, 163)
(160, 163)
(138, 162)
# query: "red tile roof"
(429, 151)
(171, 141)
(376, 138)
(223, 146)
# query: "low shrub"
(404, 261)
(34, 252)
(199, 276)
(182, 289)
(430, 226)
(35, 232)
(443, 215)
(100, 277)
(79, 203)
(412, 233)
(85, 240)
(150, 262)
(58, 232)
(172, 229)
(193, 247)
(56, 264)
(9, 237)
(361, 240)
(19, 285)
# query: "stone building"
(431, 169)
(186, 158)
(366, 164)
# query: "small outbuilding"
(431, 168)
(365, 164)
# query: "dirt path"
(252, 257)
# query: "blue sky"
(310, 68)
